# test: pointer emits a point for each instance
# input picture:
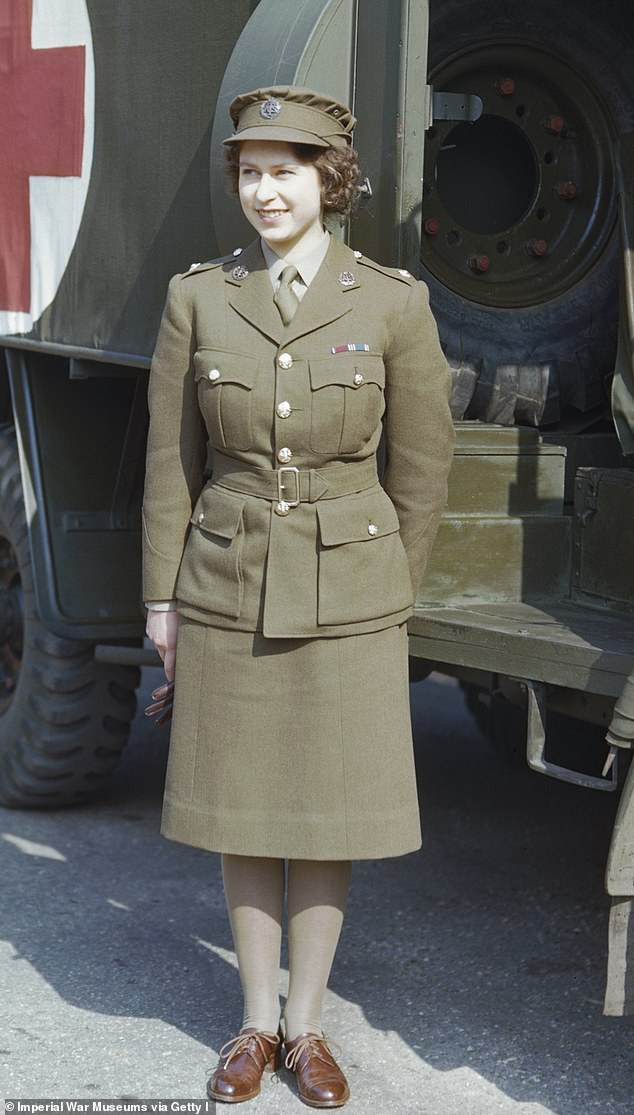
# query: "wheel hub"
(520, 205)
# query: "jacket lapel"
(327, 297)
(326, 300)
(251, 293)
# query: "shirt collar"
(307, 265)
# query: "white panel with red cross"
(47, 93)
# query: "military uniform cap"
(292, 115)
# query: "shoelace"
(240, 1044)
(312, 1045)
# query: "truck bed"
(558, 642)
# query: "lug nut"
(480, 264)
(567, 190)
(432, 226)
(555, 124)
(537, 247)
(506, 86)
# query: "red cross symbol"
(41, 133)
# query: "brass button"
(285, 360)
(358, 379)
(281, 508)
(284, 456)
(283, 409)
(213, 373)
(373, 530)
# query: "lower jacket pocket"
(363, 568)
(210, 576)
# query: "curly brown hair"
(338, 169)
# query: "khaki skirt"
(292, 748)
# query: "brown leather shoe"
(320, 1081)
(243, 1059)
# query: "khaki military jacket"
(293, 535)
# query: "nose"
(266, 188)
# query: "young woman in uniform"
(285, 581)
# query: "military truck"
(498, 170)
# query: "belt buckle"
(283, 505)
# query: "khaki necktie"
(285, 298)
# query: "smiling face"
(280, 196)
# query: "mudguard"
(623, 382)
(619, 881)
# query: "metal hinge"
(467, 107)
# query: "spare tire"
(520, 243)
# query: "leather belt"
(289, 486)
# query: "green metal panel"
(82, 492)
(496, 559)
(503, 535)
(502, 470)
(604, 537)
(586, 449)
(392, 105)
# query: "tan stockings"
(316, 900)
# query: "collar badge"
(239, 272)
(346, 278)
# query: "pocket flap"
(349, 369)
(218, 367)
(356, 519)
(217, 512)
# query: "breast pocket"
(363, 568)
(225, 382)
(210, 576)
(347, 401)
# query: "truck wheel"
(520, 242)
(64, 719)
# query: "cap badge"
(240, 272)
(271, 108)
(346, 278)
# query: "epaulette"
(210, 264)
(398, 273)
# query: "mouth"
(270, 214)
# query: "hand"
(163, 704)
(162, 629)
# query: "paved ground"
(469, 978)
